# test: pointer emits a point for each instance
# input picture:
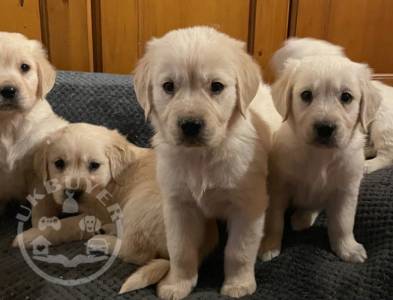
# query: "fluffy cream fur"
(305, 173)
(127, 175)
(28, 119)
(223, 173)
(380, 129)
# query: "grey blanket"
(306, 269)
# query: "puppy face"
(325, 98)
(193, 81)
(81, 160)
(25, 73)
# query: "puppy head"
(298, 48)
(193, 82)
(325, 98)
(25, 73)
(80, 160)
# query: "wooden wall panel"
(156, 17)
(70, 34)
(385, 78)
(271, 29)
(362, 27)
(119, 35)
(23, 17)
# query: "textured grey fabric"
(306, 269)
(101, 99)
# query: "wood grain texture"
(70, 34)
(119, 35)
(362, 27)
(385, 78)
(156, 17)
(271, 29)
(15, 17)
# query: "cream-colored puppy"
(26, 118)
(317, 159)
(197, 84)
(380, 129)
(98, 168)
(80, 170)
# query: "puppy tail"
(146, 275)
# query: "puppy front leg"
(185, 226)
(240, 255)
(69, 231)
(44, 208)
(341, 217)
(271, 242)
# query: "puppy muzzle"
(191, 131)
(324, 134)
(9, 97)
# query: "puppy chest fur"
(218, 180)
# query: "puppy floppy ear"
(119, 153)
(143, 85)
(282, 89)
(45, 71)
(40, 157)
(248, 79)
(370, 99)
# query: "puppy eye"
(24, 68)
(216, 87)
(94, 166)
(169, 87)
(60, 164)
(306, 96)
(346, 98)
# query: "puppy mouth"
(191, 141)
(7, 106)
(324, 143)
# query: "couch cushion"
(101, 99)
(306, 269)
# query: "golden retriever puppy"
(94, 167)
(26, 118)
(326, 102)
(199, 87)
(109, 178)
(379, 150)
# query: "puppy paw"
(174, 290)
(269, 249)
(376, 164)
(269, 255)
(301, 220)
(27, 237)
(239, 289)
(351, 251)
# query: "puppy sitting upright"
(197, 85)
(26, 118)
(317, 158)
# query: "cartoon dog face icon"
(90, 224)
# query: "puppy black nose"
(74, 194)
(324, 130)
(8, 92)
(191, 127)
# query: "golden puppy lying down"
(83, 161)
